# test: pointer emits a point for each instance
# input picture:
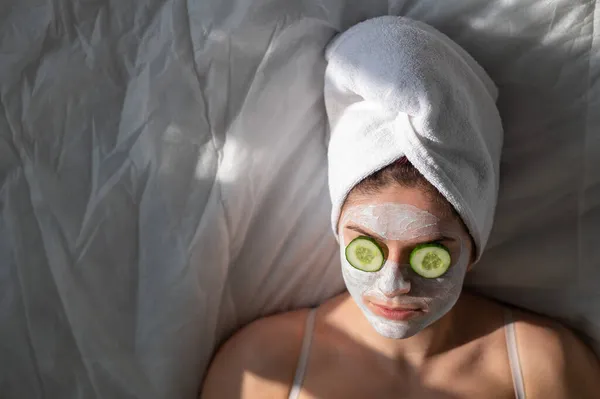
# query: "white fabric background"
(163, 176)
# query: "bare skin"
(462, 355)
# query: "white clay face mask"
(397, 285)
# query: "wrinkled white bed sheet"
(163, 176)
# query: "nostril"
(401, 288)
(397, 291)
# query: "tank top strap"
(304, 354)
(513, 354)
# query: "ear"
(473, 253)
(472, 258)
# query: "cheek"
(441, 288)
(436, 288)
(356, 277)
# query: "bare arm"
(257, 362)
(581, 367)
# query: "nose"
(392, 282)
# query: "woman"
(413, 169)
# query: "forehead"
(395, 221)
(418, 198)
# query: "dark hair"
(403, 173)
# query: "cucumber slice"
(364, 254)
(430, 260)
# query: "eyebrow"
(362, 231)
(433, 237)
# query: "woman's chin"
(393, 329)
(393, 332)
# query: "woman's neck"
(437, 338)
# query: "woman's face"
(396, 300)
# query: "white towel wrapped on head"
(396, 87)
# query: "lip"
(395, 313)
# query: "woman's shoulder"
(555, 362)
(261, 357)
